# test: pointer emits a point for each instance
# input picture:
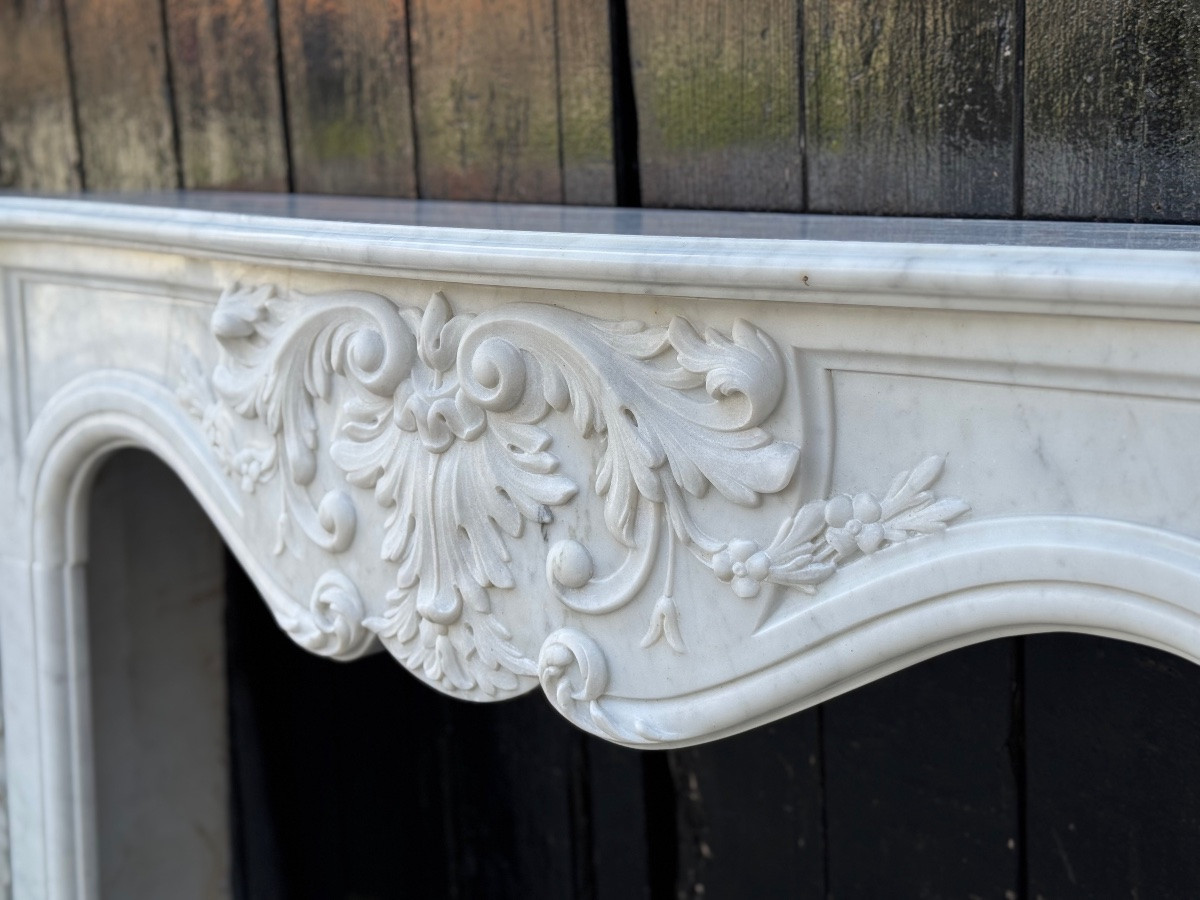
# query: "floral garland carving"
(439, 416)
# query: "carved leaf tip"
(664, 625)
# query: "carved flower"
(253, 465)
(743, 565)
(854, 524)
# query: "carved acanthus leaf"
(439, 416)
(445, 421)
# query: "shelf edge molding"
(683, 484)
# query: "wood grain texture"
(1112, 114)
(910, 106)
(718, 103)
(920, 794)
(1113, 751)
(38, 148)
(749, 813)
(349, 109)
(585, 101)
(118, 52)
(227, 96)
(486, 100)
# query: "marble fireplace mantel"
(687, 473)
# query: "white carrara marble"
(687, 473)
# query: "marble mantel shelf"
(685, 472)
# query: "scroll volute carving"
(418, 440)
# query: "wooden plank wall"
(1042, 767)
(1084, 109)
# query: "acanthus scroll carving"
(441, 419)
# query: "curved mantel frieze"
(685, 472)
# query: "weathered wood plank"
(718, 103)
(486, 100)
(348, 103)
(910, 106)
(38, 147)
(1113, 751)
(585, 101)
(122, 93)
(227, 94)
(921, 799)
(1112, 114)
(749, 813)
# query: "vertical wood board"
(227, 95)
(585, 101)
(749, 813)
(348, 101)
(38, 147)
(921, 797)
(512, 788)
(1113, 751)
(486, 100)
(337, 771)
(118, 53)
(621, 857)
(910, 106)
(718, 103)
(1112, 112)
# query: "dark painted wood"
(349, 110)
(718, 103)
(514, 777)
(585, 101)
(921, 799)
(1113, 751)
(513, 783)
(122, 91)
(910, 106)
(1112, 115)
(621, 857)
(749, 813)
(337, 768)
(485, 91)
(228, 106)
(38, 147)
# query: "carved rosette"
(440, 421)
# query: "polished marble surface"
(661, 222)
(682, 482)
